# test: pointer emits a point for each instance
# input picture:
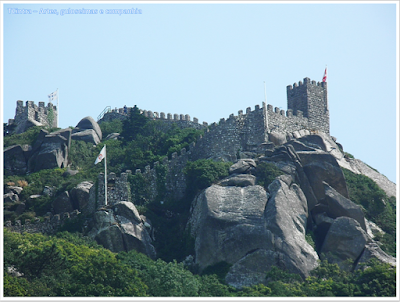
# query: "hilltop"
(267, 202)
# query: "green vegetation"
(348, 155)
(114, 126)
(28, 137)
(50, 117)
(202, 173)
(266, 173)
(73, 265)
(69, 264)
(377, 207)
(149, 142)
(219, 269)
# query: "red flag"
(325, 75)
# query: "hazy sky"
(208, 61)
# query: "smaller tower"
(312, 99)
(42, 114)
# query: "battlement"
(117, 188)
(305, 82)
(311, 98)
(42, 114)
(31, 105)
(123, 113)
(50, 224)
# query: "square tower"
(311, 98)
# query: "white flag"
(101, 155)
(53, 96)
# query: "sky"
(209, 60)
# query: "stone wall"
(50, 225)
(181, 120)
(163, 181)
(312, 99)
(307, 112)
(118, 188)
(33, 112)
(286, 121)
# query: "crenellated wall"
(36, 113)
(312, 99)
(181, 120)
(50, 225)
(247, 131)
(286, 121)
(118, 188)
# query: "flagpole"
(105, 174)
(58, 109)
(265, 97)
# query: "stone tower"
(312, 99)
(38, 115)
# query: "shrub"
(266, 173)
(378, 207)
(219, 269)
(27, 137)
(201, 173)
(114, 126)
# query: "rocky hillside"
(290, 204)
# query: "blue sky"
(210, 60)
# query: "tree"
(133, 125)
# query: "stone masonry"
(312, 99)
(41, 114)
(247, 131)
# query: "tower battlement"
(311, 98)
(45, 115)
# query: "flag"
(101, 155)
(52, 96)
(325, 75)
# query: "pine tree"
(134, 124)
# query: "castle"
(230, 139)
(250, 131)
(307, 104)
(39, 115)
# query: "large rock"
(354, 165)
(15, 159)
(287, 159)
(128, 210)
(50, 150)
(243, 166)
(373, 251)
(239, 180)
(14, 189)
(25, 125)
(88, 135)
(87, 130)
(113, 136)
(241, 226)
(322, 166)
(227, 223)
(286, 217)
(53, 154)
(120, 228)
(89, 123)
(62, 203)
(80, 196)
(315, 141)
(10, 197)
(277, 138)
(338, 206)
(345, 240)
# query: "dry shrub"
(22, 183)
